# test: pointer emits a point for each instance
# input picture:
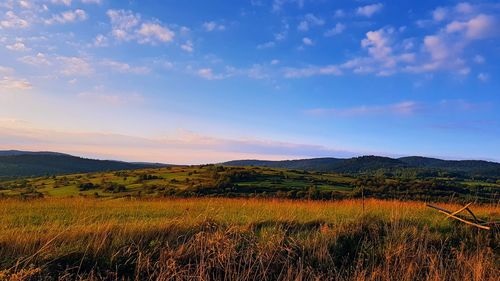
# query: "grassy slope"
(249, 182)
(175, 178)
(242, 239)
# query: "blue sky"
(208, 81)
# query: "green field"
(223, 181)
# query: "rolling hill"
(16, 164)
(372, 164)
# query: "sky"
(192, 82)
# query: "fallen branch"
(453, 215)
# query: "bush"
(87, 186)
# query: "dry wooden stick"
(451, 215)
(458, 211)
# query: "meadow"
(128, 238)
(253, 182)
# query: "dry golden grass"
(241, 239)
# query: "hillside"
(467, 166)
(373, 164)
(16, 164)
(225, 181)
(315, 164)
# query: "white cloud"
(483, 77)
(180, 147)
(479, 27)
(188, 46)
(116, 99)
(479, 59)
(278, 4)
(74, 66)
(122, 23)
(6, 70)
(91, 1)
(384, 58)
(369, 10)
(307, 41)
(184, 30)
(339, 13)
(10, 83)
(67, 17)
(212, 26)
(402, 108)
(278, 37)
(439, 14)
(62, 2)
(310, 20)
(339, 28)
(464, 8)
(257, 71)
(378, 45)
(18, 46)
(207, 73)
(125, 67)
(437, 47)
(463, 24)
(126, 25)
(122, 19)
(312, 71)
(24, 4)
(152, 32)
(275, 62)
(100, 41)
(266, 45)
(13, 21)
(38, 59)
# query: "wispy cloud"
(126, 26)
(182, 147)
(310, 20)
(278, 4)
(312, 71)
(337, 29)
(213, 26)
(154, 32)
(389, 52)
(402, 108)
(74, 66)
(13, 21)
(208, 74)
(11, 83)
(68, 17)
(37, 60)
(405, 108)
(122, 67)
(18, 46)
(188, 46)
(369, 10)
(102, 96)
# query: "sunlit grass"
(244, 238)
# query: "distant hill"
(372, 164)
(19, 152)
(16, 164)
(350, 165)
(319, 164)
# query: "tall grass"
(241, 239)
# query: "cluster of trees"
(146, 177)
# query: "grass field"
(220, 181)
(241, 239)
